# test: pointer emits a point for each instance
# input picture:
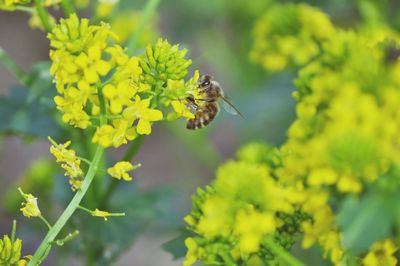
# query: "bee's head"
(204, 81)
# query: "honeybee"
(211, 94)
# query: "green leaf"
(28, 111)
(366, 220)
(176, 247)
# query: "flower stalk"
(10, 64)
(67, 8)
(148, 13)
(40, 253)
(282, 253)
(43, 15)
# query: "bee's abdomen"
(203, 117)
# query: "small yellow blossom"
(141, 110)
(120, 170)
(381, 253)
(115, 135)
(98, 213)
(31, 208)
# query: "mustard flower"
(10, 251)
(115, 135)
(31, 208)
(381, 253)
(120, 170)
(242, 207)
(141, 110)
(289, 35)
(70, 162)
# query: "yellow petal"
(143, 127)
(154, 115)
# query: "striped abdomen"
(203, 116)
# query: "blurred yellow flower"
(120, 170)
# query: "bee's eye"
(205, 83)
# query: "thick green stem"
(282, 253)
(147, 14)
(40, 253)
(10, 64)
(67, 8)
(43, 15)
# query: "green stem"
(69, 237)
(13, 231)
(84, 160)
(26, 9)
(282, 253)
(148, 12)
(43, 15)
(67, 8)
(45, 221)
(10, 64)
(40, 253)
(129, 154)
(72, 206)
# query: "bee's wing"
(229, 107)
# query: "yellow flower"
(251, 226)
(191, 255)
(119, 95)
(120, 170)
(31, 208)
(103, 214)
(70, 162)
(119, 133)
(105, 7)
(289, 35)
(381, 253)
(141, 110)
(10, 251)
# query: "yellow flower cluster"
(345, 134)
(289, 35)
(88, 66)
(70, 163)
(10, 252)
(10, 4)
(243, 206)
(343, 142)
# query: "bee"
(211, 94)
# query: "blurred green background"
(175, 161)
